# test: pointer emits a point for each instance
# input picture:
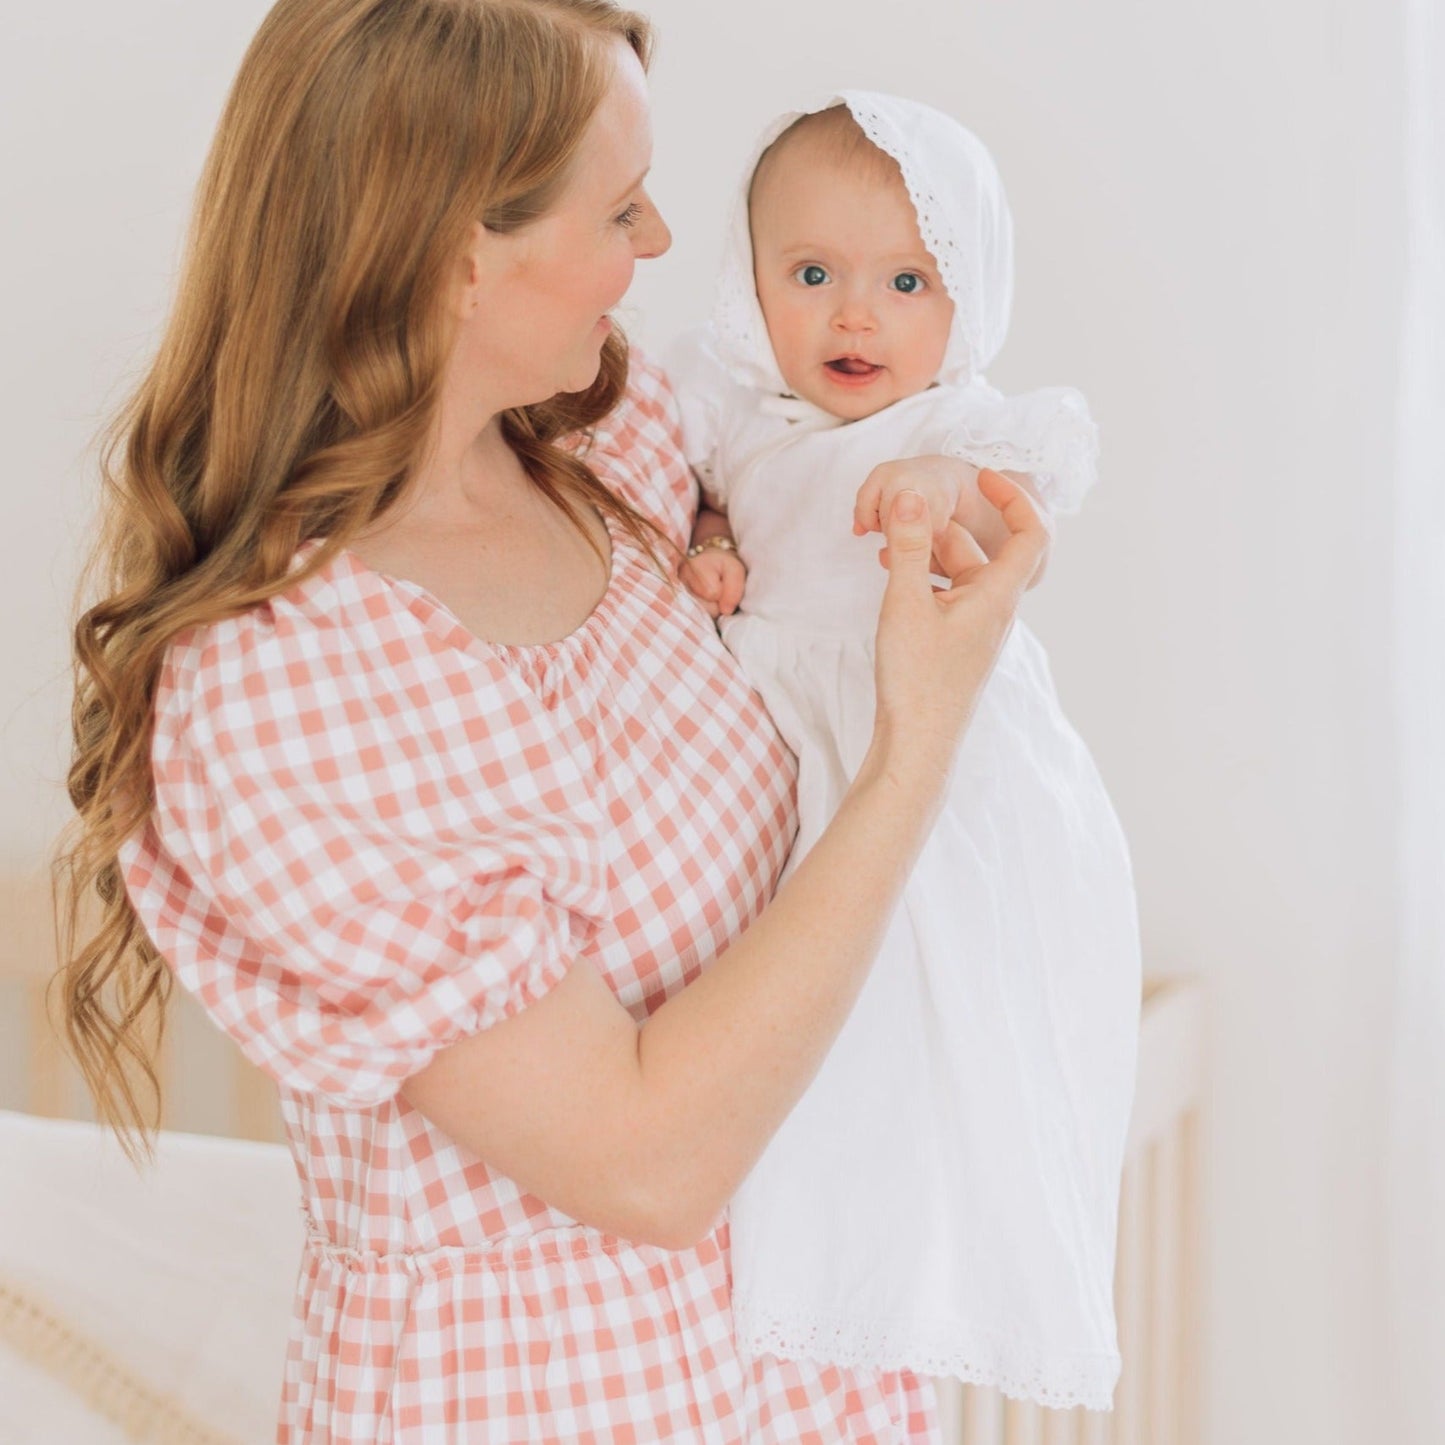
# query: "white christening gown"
(944, 1196)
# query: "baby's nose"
(854, 314)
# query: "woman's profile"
(397, 744)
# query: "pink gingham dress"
(375, 834)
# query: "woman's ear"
(484, 258)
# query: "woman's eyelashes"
(906, 283)
(631, 215)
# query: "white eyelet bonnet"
(963, 218)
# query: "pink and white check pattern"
(375, 834)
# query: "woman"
(397, 744)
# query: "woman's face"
(535, 315)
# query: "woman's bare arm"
(647, 1132)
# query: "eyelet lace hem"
(975, 1357)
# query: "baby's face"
(855, 307)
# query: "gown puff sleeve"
(637, 451)
(1048, 434)
(363, 845)
(703, 387)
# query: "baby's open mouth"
(852, 366)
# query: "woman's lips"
(851, 371)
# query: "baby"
(944, 1196)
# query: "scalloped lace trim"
(1018, 1370)
(1061, 471)
(938, 239)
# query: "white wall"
(106, 112)
(1208, 208)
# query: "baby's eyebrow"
(914, 260)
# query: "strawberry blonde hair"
(294, 390)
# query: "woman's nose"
(652, 232)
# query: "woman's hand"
(937, 646)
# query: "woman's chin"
(583, 376)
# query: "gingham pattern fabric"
(375, 834)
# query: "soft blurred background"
(1230, 231)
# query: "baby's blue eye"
(811, 275)
(907, 282)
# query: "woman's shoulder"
(329, 655)
(318, 610)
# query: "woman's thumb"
(910, 538)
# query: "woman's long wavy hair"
(295, 388)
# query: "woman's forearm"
(723, 1062)
(647, 1132)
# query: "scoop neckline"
(445, 621)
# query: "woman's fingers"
(954, 553)
(1027, 543)
(957, 553)
(910, 536)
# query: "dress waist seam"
(548, 1246)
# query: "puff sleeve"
(1048, 434)
(702, 385)
(348, 867)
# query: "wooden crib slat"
(1022, 1423)
(1061, 1426)
(1131, 1305)
(1164, 1248)
(1191, 1276)
(1096, 1427)
(982, 1416)
(949, 1394)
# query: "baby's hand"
(716, 579)
(937, 478)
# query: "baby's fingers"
(956, 554)
(868, 507)
(731, 591)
